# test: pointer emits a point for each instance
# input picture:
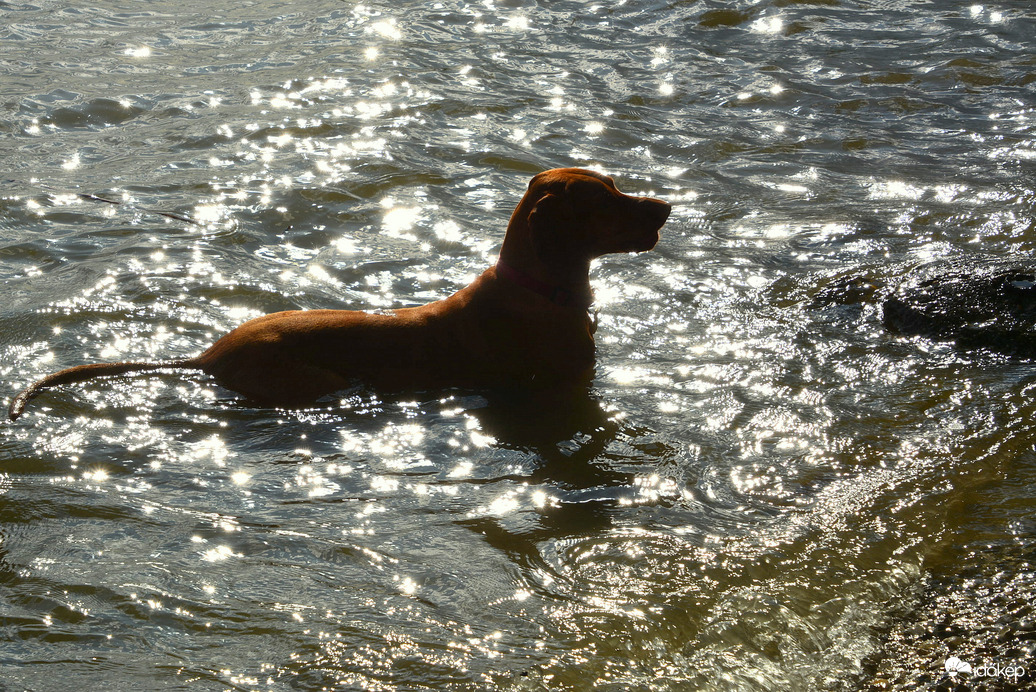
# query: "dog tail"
(86, 372)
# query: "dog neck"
(555, 293)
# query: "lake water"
(766, 491)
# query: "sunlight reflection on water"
(762, 481)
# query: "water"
(766, 491)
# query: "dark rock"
(847, 291)
(977, 305)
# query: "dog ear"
(548, 222)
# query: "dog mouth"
(654, 214)
(646, 241)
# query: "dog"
(523, 324)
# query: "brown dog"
(522, 324)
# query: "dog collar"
(559, 295)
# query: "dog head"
(572, 215)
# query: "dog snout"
(654, 211)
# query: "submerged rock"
(977, 305)
(851, 290)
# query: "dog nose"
(655, 209)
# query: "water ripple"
(765, 490)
